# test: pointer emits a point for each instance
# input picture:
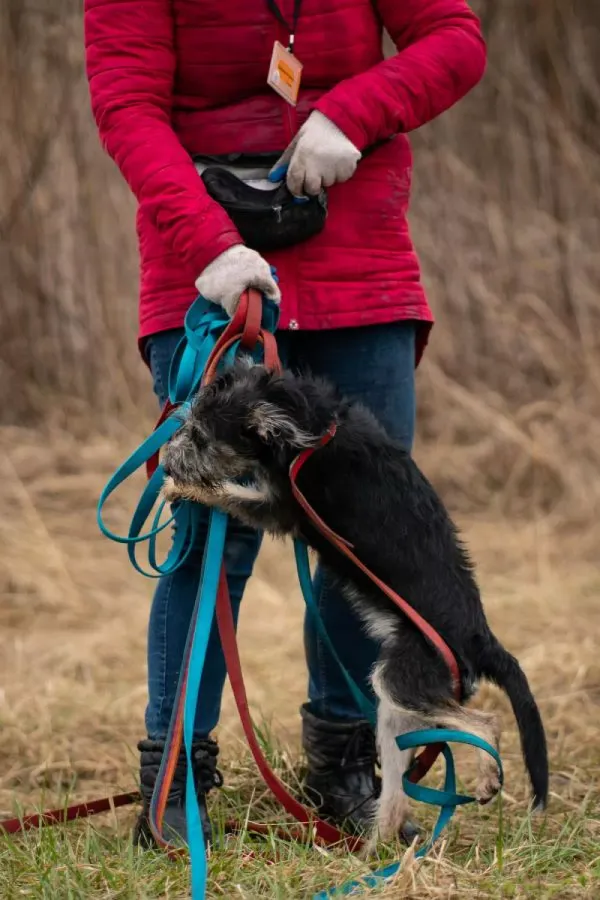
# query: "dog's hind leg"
(392, 720)
(485, 726)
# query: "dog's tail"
(499, 666)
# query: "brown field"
(506, 218)
(72, 658)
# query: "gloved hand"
(226, 278)
(320, 155)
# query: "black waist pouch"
(266, 220)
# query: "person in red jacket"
(176, 85)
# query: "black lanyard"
(283, 21)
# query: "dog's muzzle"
(189, 474)
(181, 462)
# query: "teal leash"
(209, 585)
(366, 706)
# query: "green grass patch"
(497, 852)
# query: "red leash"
(325, 832)
(68, 814)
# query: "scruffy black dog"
(234, 451)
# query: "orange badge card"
(285, 73)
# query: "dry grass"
(72, 690)
(506, 217)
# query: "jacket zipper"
(253, 211)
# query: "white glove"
(320, 155)
(226, 278)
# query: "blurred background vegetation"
(506, 217)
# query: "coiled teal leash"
(205, 326)
(447, 799)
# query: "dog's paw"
(369, 847)
(409, 832)
(173, 491)
(169, 491)
(488, 787)
(539, 805)
(388, 834)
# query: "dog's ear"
(274, 426)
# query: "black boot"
(341, 780)
(206, 776)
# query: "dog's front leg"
(248, 503)
(228, 495)
(252, 504)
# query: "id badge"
(285, 73)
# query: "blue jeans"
(374, 364)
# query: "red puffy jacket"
(172, 78)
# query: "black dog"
(234, 451)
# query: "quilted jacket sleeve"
(130, 65)
(441, 56)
